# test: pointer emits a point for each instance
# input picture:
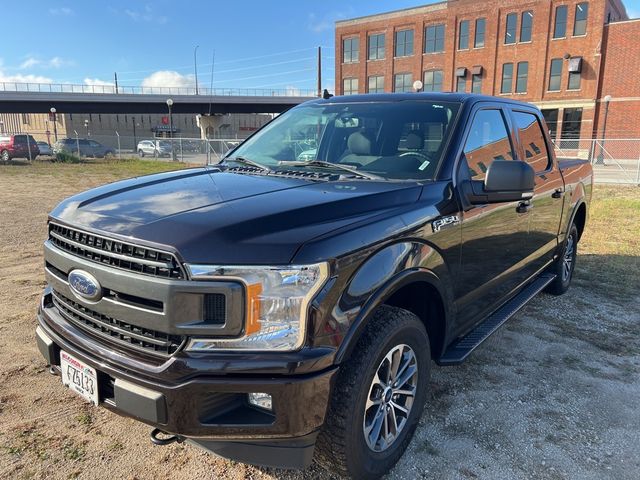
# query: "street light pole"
(195, 65)
(607, 100)
(135, 143)
(55, 123)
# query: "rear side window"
(532, 139)
(488, 140)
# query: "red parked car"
(18, 146)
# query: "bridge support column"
(209, 125)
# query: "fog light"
(262, 400)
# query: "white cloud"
(321, 23)
(20, 78)
(54, 62)
(61, 11)
(168, 78)
(97, 81)
(145, 15)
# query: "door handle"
(524, 207)
(557, 193)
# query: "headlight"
(277, 299)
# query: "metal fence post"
(77, 142)
(119, 150)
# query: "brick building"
(565, 56)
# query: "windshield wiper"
(246, 161)
(323, 164)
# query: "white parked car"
(45, 149)
(154, 148)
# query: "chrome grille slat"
(116, 331)
(115, 253)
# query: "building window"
(574, 81)
(560, 25)
(582, 15)
(526, 26)
(551, 119)
(433, 81)
(571, 123)
(350, 50)
(26, 120)
(349, 86)
(376, 46)
(476, 84)
(461, 84)
(481, 26)
(376, 84)
(522, 76)
(555, 76)
(434, 39)
(507, 78)
(403, 82)
(512, 25)
(463, 35)
(404, 43)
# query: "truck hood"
(212, 216)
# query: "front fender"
(381, 275)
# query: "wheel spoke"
(401, 408)
(396, 359)
(406, 376)
(393, 422)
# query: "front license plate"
(79, 377)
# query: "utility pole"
(115, 76)
(319, 71)
(195, 65)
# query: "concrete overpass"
(67, 98)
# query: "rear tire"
(565, 264)
(358, 438)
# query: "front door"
(493, 236)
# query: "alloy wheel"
(567, 260)
(390, 398)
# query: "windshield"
(394, 140)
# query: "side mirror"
(505, 181)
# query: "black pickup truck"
(286, 304)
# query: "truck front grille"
(115, 253)
(116, 331)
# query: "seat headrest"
(359, 144)
(414, 141)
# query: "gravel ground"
(554, 394)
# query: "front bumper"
(182, 398)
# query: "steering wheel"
(415, 154)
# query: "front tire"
(140, 153)
(565, 264)
(378, 397)
(4, 155)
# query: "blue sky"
(263, 44)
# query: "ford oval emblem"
(84, 285)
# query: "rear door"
(546, 204)
(493, 235)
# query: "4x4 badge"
(440, 223)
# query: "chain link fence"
(615, 160)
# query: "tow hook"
(165, 440)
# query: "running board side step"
(461, 348)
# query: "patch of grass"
(84, 418)
(73, 451)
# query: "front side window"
(488, 140)
(403, 82)
(463, 36)
(507, 78)
(376, 46)
(582, 15)
(390, 139)
(433, 81)
(376, 84)
(350, 50)
(560, 25)
(434, 39)
(481, 25)
(555, 76)
(512, 25)
(532, 140)
(350, 86)
(404, 43)
(526, 26)
(522, 77)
